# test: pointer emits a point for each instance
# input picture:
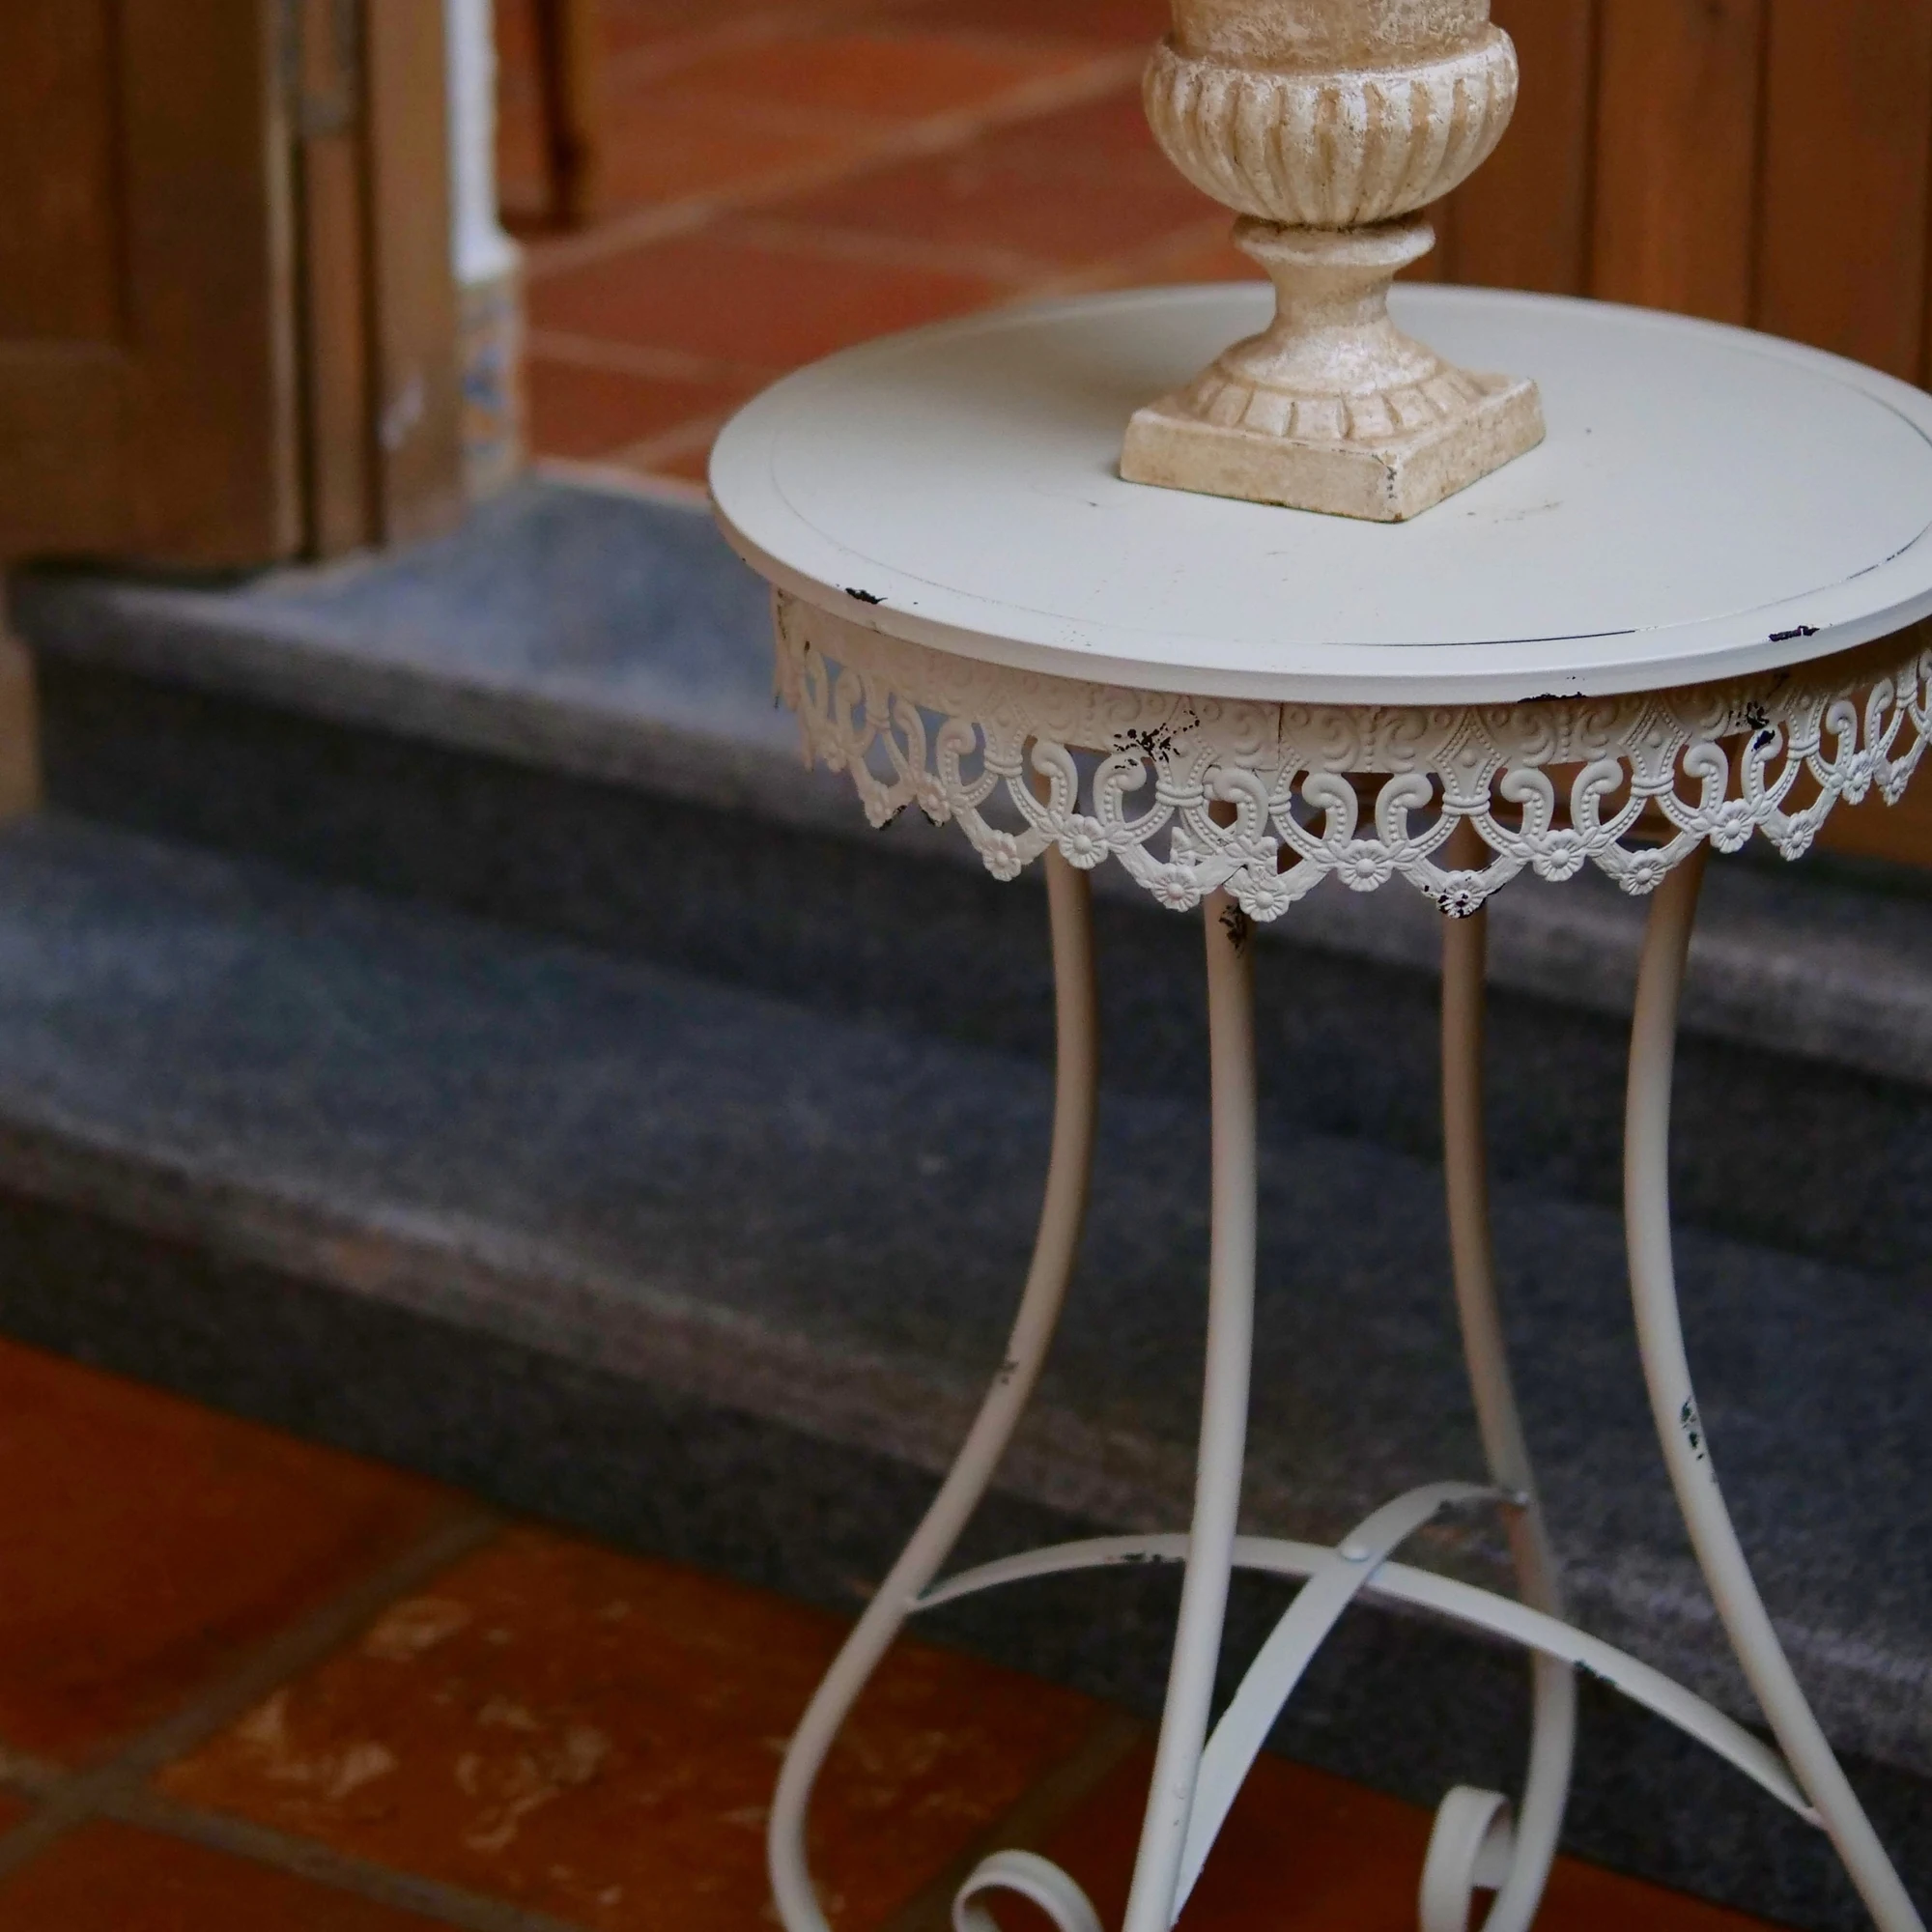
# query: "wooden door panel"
(147, 359)
(417, 400)
(62, 431)
(62, 357)
(1677, 124)
(213, 472)
(59, 225)
(1847, 156)
(333, 220)
(1523, 220)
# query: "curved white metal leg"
(1344, 1575)
(1680, 1428)
(1062, 1215)
(1463, 1861)
(1224, 1424)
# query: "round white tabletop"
(1670, 626)
(1708, 503)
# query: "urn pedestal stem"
(1332, 408)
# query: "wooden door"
(381, 402)
(148, 379)
(228, 320)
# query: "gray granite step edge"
(1819, 970)
(546, 1298)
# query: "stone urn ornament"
(1327, 125)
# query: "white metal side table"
(1687, 620)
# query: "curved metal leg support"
(1060, 1218)
(1152, 1905)
(1468, 1851)
(1687, 1449)
(1441, 1597)
(1475, 1847)
(1343, 1575)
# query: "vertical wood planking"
(570, 38)
(1678, 101)
(64, 362)
(1847, 149)
(1523, 220)
(149, 371)
(60, 229)
(337, 390)
(21, 788)
(215, 475)
(418, 447)
(1924, 377)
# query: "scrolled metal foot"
(1029, 1876)
(1472, 1849)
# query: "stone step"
(559, 723)
(716, 1252)
(608, 643)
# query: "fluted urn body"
(1328, 126)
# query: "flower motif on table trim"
(1000, 851)
(1647, 870)
(1083, 843)
(1732, 825)
(1462, 894)
(1176, 887)
(1265, 894)
(1561, 854)
(1364, 867)
(930, 795)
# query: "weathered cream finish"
(1288, 34)
(1327, 124)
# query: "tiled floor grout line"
(752, 116)
(1046, 1805)
(831, 243)
(68, 1798)
(1116, 271)
(120, 1788)
(680, 440)
(667, 56)
(381, 1884)
(660, 57)
(657, 58)
(938, 134)
(636, 358)
(593, 474)
(1134, 265)
(30, 1776)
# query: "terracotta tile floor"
(787, 177)
(247, 1682)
